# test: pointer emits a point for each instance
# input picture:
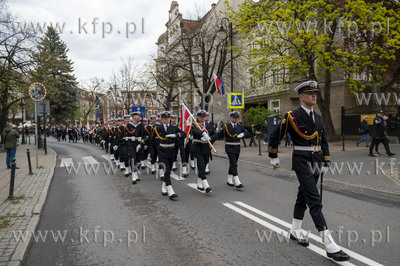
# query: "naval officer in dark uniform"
(201, 148)
(232, 133)
(310, 147)
(166, 134)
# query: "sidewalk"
(388, 183)
(30, 192)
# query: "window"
(149, 113)
(274, 105)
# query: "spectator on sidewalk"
(10, 137)
(287, 142)
(364, 130)
(264, 130)
(384, 139)
(380, 135)
(253, 133)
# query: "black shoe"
(367, 146)
(240, 186)
(153, 172)
(174, 169)
(8, 167)
(390, 154)
(358, 144)
(164, 194)
(134, 182)
(301, 242)
(207, 173)
(338, 256)
(200, 188)
(372, 155)
(208, 190)
(229, 184)
(173, 196)
(377, 153)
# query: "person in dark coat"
(201, 148)
(310, 149)
(232, 133)
(379, 135)
(167, 135)
(9, 137)
(364, 130)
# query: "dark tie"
(234, 125)
(311, 115)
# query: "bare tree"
(15, 47)
(94, 87)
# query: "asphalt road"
(105, 220)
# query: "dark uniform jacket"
(130, 130)
(304, 132)
(197, 145)
(166, 149)
(379, 128)
(230, 135)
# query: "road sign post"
(37, 92)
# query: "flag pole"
(197, 125)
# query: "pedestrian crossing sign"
(235, 100)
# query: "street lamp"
(222, 34)
(22, 104)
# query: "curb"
(20, 253)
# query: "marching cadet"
(152, 145)
(232, 133)
(111, 139)
(121, 152)
(166, 134)
(146, 133)
(309, 147)
(173, 123)
(122, 145)
(133, 135)
(201, 148)
(207, 121)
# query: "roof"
(163, 36)
(189, 26)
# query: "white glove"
(205, 136)
(241, 135)
(275, 161)
(145, 147)
(203, 139)
(115, 147)
(138, 147)
(171, 136)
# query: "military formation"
(158, 143)
(134, 142)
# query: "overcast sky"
(93, 55)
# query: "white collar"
(233, 124)
(306, 109)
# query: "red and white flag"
(186, 119)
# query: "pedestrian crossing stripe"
(279, 230)
(66, 162)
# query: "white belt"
(133, 138)
(167, 145)
(199, 141)
(307, 148)
(232, 143)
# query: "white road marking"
(89, 160)
(176, 177)
(194, 186)
(107, 157)
(66, 162)
(278, 230)
(352, 254)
